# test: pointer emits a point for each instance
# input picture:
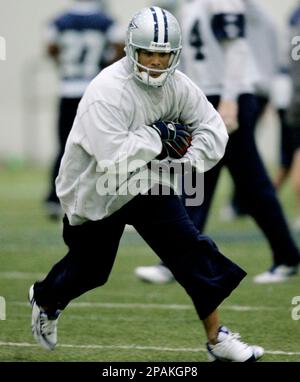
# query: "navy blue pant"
(66, 116)
(252, 184)
(286, 147)
(162, 221)
(237, 202)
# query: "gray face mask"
(156, 30)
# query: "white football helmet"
(156, 30)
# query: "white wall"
(28, 80)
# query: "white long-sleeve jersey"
(111, 139)
(216, 55)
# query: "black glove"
(175, 139)
(177, 148)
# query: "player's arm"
(52, 46)
(209, 134)
(234, 80)
(228, 26)
(53, 51)
(111, 142)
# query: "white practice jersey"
(111, 135)
(262, 34)
(215, 52)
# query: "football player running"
(131, 113)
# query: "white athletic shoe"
(156, 274)
(230, 349)
(44, 327)
(277, 274)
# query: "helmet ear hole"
(156, 30)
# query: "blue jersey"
(82, 35)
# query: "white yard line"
(20, 275)
(133, 347)
(91, 305)
(110, 305)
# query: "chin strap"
(152, 81)
(144, 75)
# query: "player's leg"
(207, 276)
(92, 250)
(253, 184)
(194, 259)
(160, 273)
(238, 206)
(286, 151)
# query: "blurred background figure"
(272, 89)
(218, 58)
(293, 117)
(280, 99)
(81, 41)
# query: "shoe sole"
(222, 360)
(253, 358)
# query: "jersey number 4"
(195, 40)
